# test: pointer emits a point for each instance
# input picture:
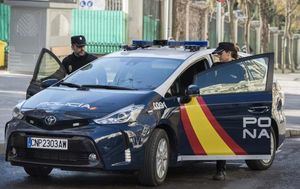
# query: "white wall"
(134, 9)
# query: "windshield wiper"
(85, 87)
(70, 85)
(107, 87)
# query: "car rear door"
(231, 117)
(48, 66)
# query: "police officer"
(226, 52)
(79, 57)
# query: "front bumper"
(116, 147)
(77, 155)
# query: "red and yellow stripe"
(206, 136)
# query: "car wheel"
(266, 163)
(156, 161)
(37, 171)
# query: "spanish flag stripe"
(219, 129)
(210, 140)
(192, 138)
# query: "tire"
(264, 164)
(37, 171)
(156, 160)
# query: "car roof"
(163, 52)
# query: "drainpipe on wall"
(170, 18)
(219, 22)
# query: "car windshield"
(128, 72)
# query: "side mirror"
(48, 82)
(193, 90)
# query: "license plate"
(47, 143)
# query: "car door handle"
(259, 109)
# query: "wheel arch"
(172, 139)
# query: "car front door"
(230, 117)
(48, 66)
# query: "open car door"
(229, 117)
(48, 67)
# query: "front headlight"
(17, 111)
(128, 114)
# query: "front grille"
(79, 149)
(59, 125)
(74, 158)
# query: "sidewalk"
(13, 89)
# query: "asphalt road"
(284, 173)
(292, 110)
(290, 84)
(12, 90)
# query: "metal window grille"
(113, 5)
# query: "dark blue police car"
(147, 108)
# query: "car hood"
(91, 103)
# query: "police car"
(148, 107)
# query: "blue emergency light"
(196, 43)
(142, 43)
(191, 45)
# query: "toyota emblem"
(50, 120)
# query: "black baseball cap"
(78, 40)
(224, 46)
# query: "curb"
(289, 133)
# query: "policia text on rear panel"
(145, 108)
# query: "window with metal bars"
(113, 5)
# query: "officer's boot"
(220, 175)
(221, 167)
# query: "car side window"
(49, 68)
(256, 69)
(235, 77)
(187, 78)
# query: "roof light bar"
(175, 43)
(196, 43)
(160, 42)
(142, 43)
(192, 45)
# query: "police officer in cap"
(79, 57)
(227, 52)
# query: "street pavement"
(13, 90)
(284, 173)
(290, 84)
